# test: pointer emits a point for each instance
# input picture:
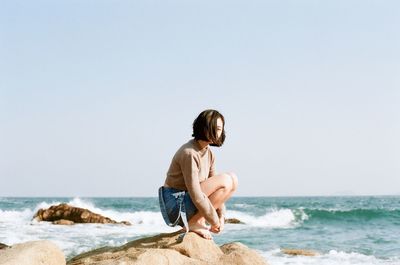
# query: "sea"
(343, 230)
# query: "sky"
(97, 96)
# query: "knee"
(230, 182)
(234, 180)
(226, 183)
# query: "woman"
(193, 193)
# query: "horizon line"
(239, 196)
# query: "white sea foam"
(15, 216)
(273, 218)
(332, 258)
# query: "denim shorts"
(172, 205)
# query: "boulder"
(233, 221)
(32, 253)
(3, 246)
(237, 253)
(299, 252)
(171, 249)
(64, 211)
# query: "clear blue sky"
(96, 96)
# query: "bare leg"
(219, 189)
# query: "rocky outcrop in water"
(3, 246)
(69, 213)
(171, 249)
(300, 252)
(33, 253)
(233, 221)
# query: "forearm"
(205, 207)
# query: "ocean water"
(344, 230)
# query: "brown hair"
(205, 127)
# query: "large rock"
(237, 253)
(233, 221)
(3, 246)
(171, 249)
(64, 211)
(32, 253)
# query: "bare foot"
(201, 230)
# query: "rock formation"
(233, 221)
(3, 246)
(300, 252)
(173, 250)
(33, 253)
(64, 211)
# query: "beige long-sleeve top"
(190, 166)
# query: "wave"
(273, 218)
(291, 218)
(358, 213)
(333, 257)
(14, 216)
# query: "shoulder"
(187, 150)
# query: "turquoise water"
(345, 230)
